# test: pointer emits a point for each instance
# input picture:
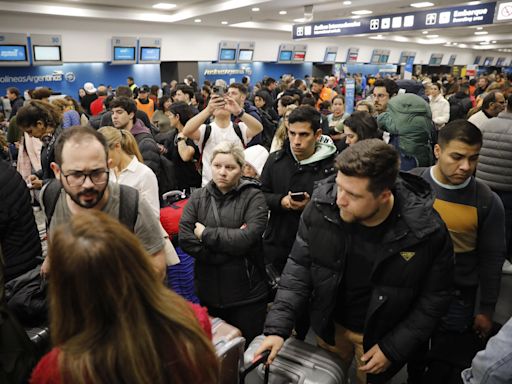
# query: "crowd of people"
(389, 227)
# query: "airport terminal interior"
(256, 191)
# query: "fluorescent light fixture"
(432, 36)
(455, 43)
(197, 20)
(283, 12)
(481, 33)
(462, 46)
(347, 2)
(255, 9)
(425, 32)
(355, 17)
(474, 2)
(224, 22)
(479, 28)
(362, 12)
(423, 4)
(378, 37)
(299, 20)
(164, 6)
(494, 41)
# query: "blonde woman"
(281, 132)
(128, 167)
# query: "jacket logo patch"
(407, 255)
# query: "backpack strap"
(238, 132)
(419, 171)
(207, 133)
(50, 197)
(128, 206)
(484, 200)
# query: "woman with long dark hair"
(112, 321)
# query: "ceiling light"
(355, 17)
(362, 12)
(494, 41)
(347, 2)
(425, 32)
(164, 6)
(474, 2)
(455, 43)
(283, 12)
(299, 20)
(224, 22)
(432, 36)
(481, 33)
(479, 28)
(462, 45)
(423, 4)
(255, 9)
(197, 20)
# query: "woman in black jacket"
(222, 226)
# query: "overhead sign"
(460, 16)
(504, 11)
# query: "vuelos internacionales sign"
(460, 16)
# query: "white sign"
(504, 11)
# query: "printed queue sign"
(436, 18)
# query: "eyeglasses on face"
(77, 178)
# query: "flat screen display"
(124, 53)
(488, 61)
(245, 55)
(227, 54)
(46, 53)
(435, 60)
(13, 53)
(285, 56)
(299, 56)
(330, 57)
(477, 60)
(383, 59)
(500, 62)
(150, 54)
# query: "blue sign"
(350, 94)
(150, 54)
(460, 16)
(124, 53)
(13, 53)
(68, 78)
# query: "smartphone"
(218, 90)
(298, 196)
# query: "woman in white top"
(439, 106)
(127, 167)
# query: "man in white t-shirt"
(221, 107)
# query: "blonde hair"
(123, 137)
(281, 133)
(230, 148)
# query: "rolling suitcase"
(296, 362)
(223, 332)
(229, 345)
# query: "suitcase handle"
(259, 360)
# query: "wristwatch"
(239, 116)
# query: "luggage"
(229, 345)
(40, 338)
(296, 362)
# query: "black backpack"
(127, 212)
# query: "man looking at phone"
(207, 136)
(288, 179)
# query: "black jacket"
(15, 105)
(19, 237)
(282, 173)
(411, 277)
(228, 258)
(48, 156)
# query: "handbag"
(26, 297)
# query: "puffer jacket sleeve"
(387, 124)
(295, 285)
(431, 304)
(239, 241)
(151, 154)
(188, 241)
(267, 185)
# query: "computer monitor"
(245, 55)
(285, 56)
(124, 53)
(13, 53)
(47, 53)
(227, 54)
(149, 54)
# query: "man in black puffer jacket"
(19, 239)
(375, 261)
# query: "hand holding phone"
(298, 196)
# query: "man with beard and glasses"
(82, 168)
(372, 259)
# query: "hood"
(244, 184)
(412, 193)
(324, 148)
(139, 127)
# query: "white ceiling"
(238, 13)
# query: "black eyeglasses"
(76, 179)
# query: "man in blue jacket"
(373, 259)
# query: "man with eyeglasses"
(82, 168)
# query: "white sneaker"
(507, 268)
